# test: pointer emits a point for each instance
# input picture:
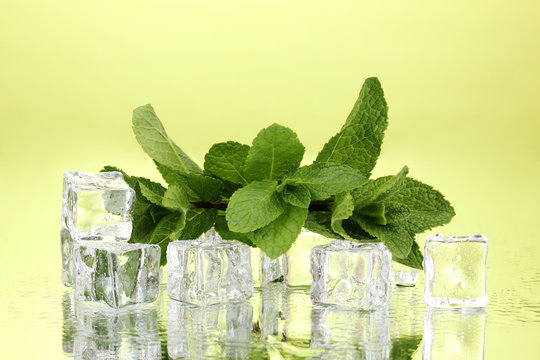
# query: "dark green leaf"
(375, 191)
(198, 221)
(226, 161)
(151, 191)
(394, 236)
(223, 230)
(414, 259)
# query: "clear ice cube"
(97, 206)
(351, 274)
(348, 334)
(104, 333)
(451, 334)
(117, 274)
(455, 271)
(297, 259)
(216, 331)
(403, 275)
(209, 270)
(265, 270)
(68, 268)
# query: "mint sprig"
(260, 195)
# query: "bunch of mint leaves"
(261, 196)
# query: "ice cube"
(451, 334)
(403, 275)
(68, 268)
(97, 206)
(220, 330)
(117, 274)
(351, 274)
(350, 334)
(297, 259)
(105, 333)
(265, 270)
(209, 270)
(271, 310)
(455, 271)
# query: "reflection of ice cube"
(220, 330)
(265, 270)
(345, 333)
(271, 307)
(403, 275)
(297, 259)
(104, 333)
(68, 325)
(404, 312)
(117, 274)
(209, 270)
(97, 206)
(453, 334)
(455, 271)
(351, 274)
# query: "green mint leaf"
(198, 221)
(152, 137)
(358, 144)
(375, 212)
(140, 208)
(296, 195)
(143, 226)
(355, 231)
(151, 191)
(396, 212)
(374, 191)
(342, 210)
(176, 199)
(223, 230)
(226, 161)
(157, 213)
(204, 187)
(320, 222)
(167, 230)
(254, 206)
(324, 180)
(414, 259)
(278, 236)
(276, 151)
(428, 208)
(171, 176)
(394, 236)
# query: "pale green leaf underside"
(176, 199)
(152, 191)
(151, 135)
(342, 209)
(275, 152)
(254, 206)
(226, 161)
(380, 189)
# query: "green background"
(461, 78)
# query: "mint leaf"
(374, 191)
(342, 210)
(151, 191)
(428, 208)
(414, 259)
(276, 151)
(204, 187)
(171, 176)
(176, 199)
(324, 180)
(223, 230)
(168, 228)
(157, 213)
(320, 222)
(198, 221)
(396, 212)
(278, 236)
(151, 135)
(226, 161)
(253, 206)
(296, 195)
(143, 226)
(375, 213)
(394, 236)
(358, 144)
(141, 207)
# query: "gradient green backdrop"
(462, 79)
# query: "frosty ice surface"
(97, 206)
(297, 259)
(455, 271)
(403, 275)
(351, 274)
(117, 274)
(209, 270)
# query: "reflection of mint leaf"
(223, 230)
(151, 191)
(297, 195)
(275, 152)
(428, 208)
(254, 206)
(374, 191)
(156, 143)
(394, 236)
(226, 161)
(278, 236)
(414, 259)
(358, 144)
(342, 209)
(325, 180)
(404, 347)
